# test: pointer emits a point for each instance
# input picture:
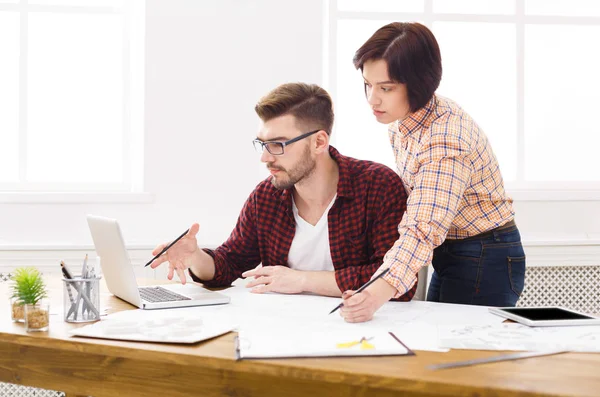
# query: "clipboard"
(250, 344)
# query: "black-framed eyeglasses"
(276, 147)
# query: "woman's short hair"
(310, 104)
(412, 55)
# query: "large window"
(526, 70)
(71, 87)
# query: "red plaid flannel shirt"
(363, 226)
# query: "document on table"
(252, 343)
(391, 314)
(415, 323)
(167, 326)
(518, 337)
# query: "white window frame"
(519, 190)
(131, 189)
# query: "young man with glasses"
(321, 223)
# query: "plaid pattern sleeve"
(454, 184)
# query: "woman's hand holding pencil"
(359, 306)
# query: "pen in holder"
(81, 299)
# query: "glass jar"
(81, 299)
(37, 316)
(17, 312)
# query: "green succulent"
(28, 287)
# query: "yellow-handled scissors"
(363, 342)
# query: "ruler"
(495, 359)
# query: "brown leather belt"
(489, 233)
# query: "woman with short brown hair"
(459, 217)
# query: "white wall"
(207, 63)
(559, 220)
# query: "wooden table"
(95, 367)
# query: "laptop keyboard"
(159, 294)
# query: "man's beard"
(302, 170)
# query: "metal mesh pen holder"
(81, 299)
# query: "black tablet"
(545, 316)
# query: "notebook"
(120, 277)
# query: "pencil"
(371, 281)
(167, 247)
(67, 275)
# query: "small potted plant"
(29, 291)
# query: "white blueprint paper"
(517, 337)
(415, 323)
(166, 326)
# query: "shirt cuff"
(217, 280)
(402, 286)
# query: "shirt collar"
(345, 185)
(418, 119)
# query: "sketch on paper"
(520, 337)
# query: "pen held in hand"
(167, 247)
(371, 281)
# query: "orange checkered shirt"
(454, 185)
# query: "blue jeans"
(487, 269)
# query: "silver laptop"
(120, 278)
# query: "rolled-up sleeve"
(444, 171)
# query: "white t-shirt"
(310, 247)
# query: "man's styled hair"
(412, 55)
(310, 104)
